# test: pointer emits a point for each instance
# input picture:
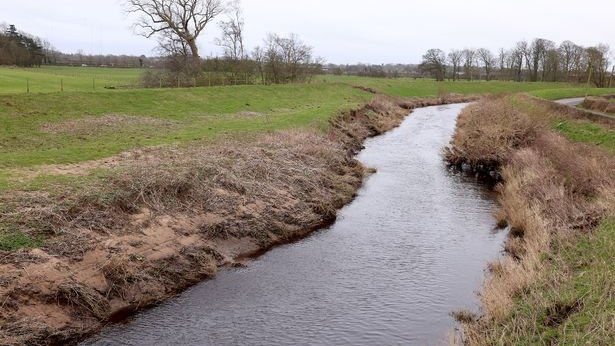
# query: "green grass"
(556, 94)
(190, 114)
(587, 132)
(583, 272)
(16, 241)
(49, 78)
(409, 87)
(576, 130)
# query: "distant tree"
(519, 53)
(551, 65)
(434, 62)
(503, 58)
(454, 57)
(566, 52)
(232, 41)
(487, 59)
(536, 56)
(469, 56)
(180, 21)
(285, 60)
(598, 64)
(21, 49)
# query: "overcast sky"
(341, 31)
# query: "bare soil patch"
(92, 125)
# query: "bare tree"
(469, 56)
(182, 20)
(518, 55)
(454, 57)
(258, 55)
(567, 51)
(503, 58)
(434, 62)
(537, 56)
(285, 59)
(486, 57)
(598, 64)
(232, 33)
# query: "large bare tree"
(182, 20)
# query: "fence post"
(62, 85)
(28, 86)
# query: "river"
(407, 252)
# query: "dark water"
(408, 251)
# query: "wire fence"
(70, 84)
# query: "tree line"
(20, 49)
(540, 60)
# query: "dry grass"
(84, 298)
(553, 191)
(601, 104)
(488, 132)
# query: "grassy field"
(80, 124)
(60, 128)
(50, 78)
(408, 87)
(53, 128)
(50, 127)
(47, 79)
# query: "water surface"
(409, 250)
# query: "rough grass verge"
(554, 194)
(605, 104)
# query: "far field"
(50, 79)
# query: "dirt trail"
(171, 218)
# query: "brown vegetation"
(166, 218)
(552, 190)
(605, 104)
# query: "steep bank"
(556, 196)
(604, 104)
(166, 218)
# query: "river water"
(409, 250)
